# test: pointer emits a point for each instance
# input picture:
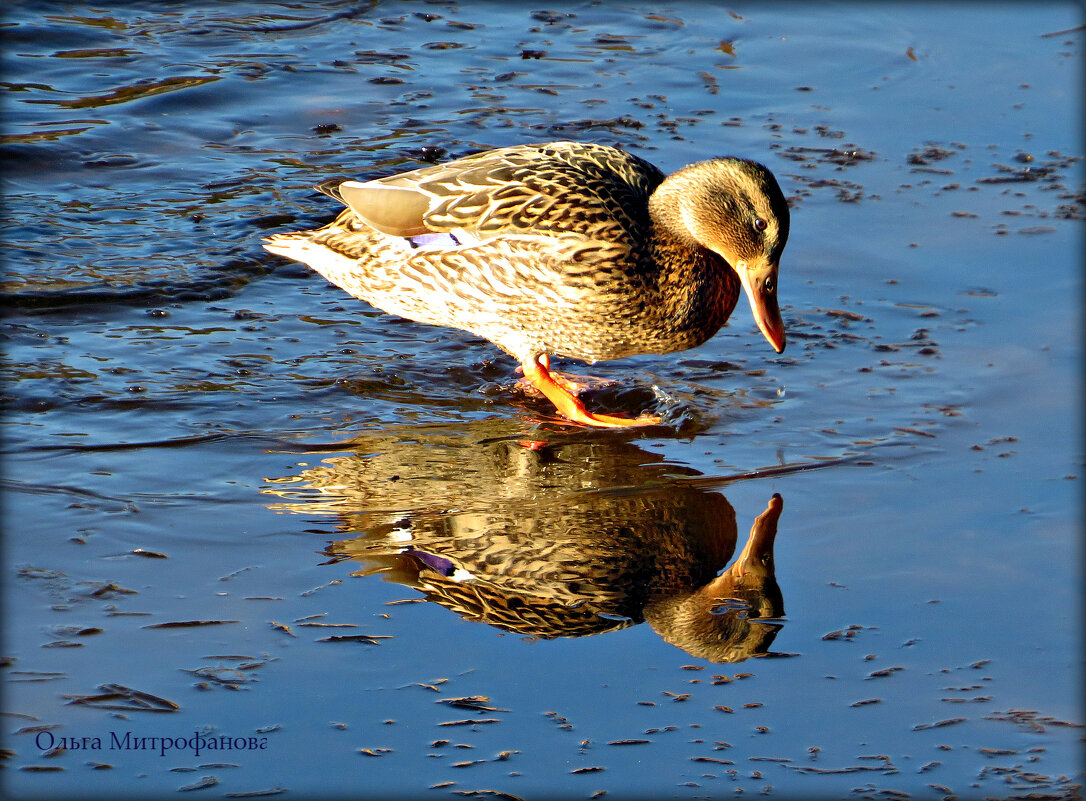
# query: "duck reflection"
(558, 539)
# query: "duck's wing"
(559, 188)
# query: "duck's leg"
(573, 383)
(537, 371)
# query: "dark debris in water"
(367, 639)
(844, 634)
(847, 191)
(202, 784)
(375, 752)
(939, 724)
(498, 795)
(1050, 170)
(283, 627)
(848, 769)
(477, 703)
(231, 678)
(577, 126)
(257, 793)
(844, 156)
(120, 697)
(552, 17)
(1031, 720)
(933, 152)
(148, 554)
(1031, 785)
(884, 672)
(470, 722)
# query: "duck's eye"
(760, 224)
(770, 285)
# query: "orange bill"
(760, 283)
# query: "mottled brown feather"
(559, 251)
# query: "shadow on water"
(560, 539)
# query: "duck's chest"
(663, 317)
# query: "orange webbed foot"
(538, 373)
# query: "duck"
(563, 249)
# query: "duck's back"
(560, 187)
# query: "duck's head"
(735, 208)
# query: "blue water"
(173, 390)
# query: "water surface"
(213, 459)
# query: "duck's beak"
(760, 283)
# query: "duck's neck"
(697, 288)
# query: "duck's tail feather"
(331, 186)
(337, 267)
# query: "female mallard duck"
(569, 249)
